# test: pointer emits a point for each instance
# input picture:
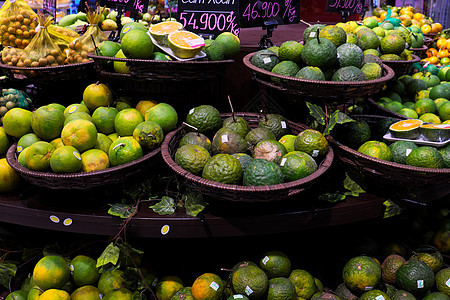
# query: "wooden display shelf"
(38, 211)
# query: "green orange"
(94, 160)
(111, 280)
(38, 156)
(168, 286)
(84, 270)
(96, 95)
(361, 273)
(51, 272)
(47, 122)
(65, 159)
(126, 121)
(5, 143)
(148, 134)
(163, 114)
(119, 294)
(86, 292)
(208, 286)
(305, 285)
(124, 150)
(103, 118)
(81, 134)
(17, 122)
(312, 142)
(54, 294)
(376, 149)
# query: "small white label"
(248, 290)
(312, 34)
(283, 161)
(168, 57)
(77, 155)
(406, 45)
(67, 222)
(224, 138)
(283, 125)
(447, 283)
(266, 258)
(165, 229)
(238, 296)
(19, 149)
(420, 284)
(214, 286)
(54, 219)
(72, 109)
(408, 151)
(191, 111)
(267, 60)
(195, 43)
(315, 153)
(379, 297)
(368, 288)
(338, 56)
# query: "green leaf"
(317, 113)
(337, 117)
(7, 270)
(353, 188)
(111, 255)
(392, 209)
(164, 207)
(332, 197)
(122, 210)
(194, 203)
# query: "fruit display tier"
(171, 70)
(402, 67)
(82, 180)
(343, 90)
(77, 212)
(47, 75)
(416, 184)
(241, 193)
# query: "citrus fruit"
(124, 150)
(54, 294)
(425, 105)
(275, 264)
(77, 115)
(290, 50)
(81, 134)
(243, 158)
(426, 157)
(17, 122)
(192, 158)
(436, 296)
(34, 293)
(223, 168)
(65, 159)
(103, 142)
(103, 119)
(96, 95)
(443, 281)
(400, 150)
(21, 158)
(402, 295)
(311, 73)
(270, 150)
(288, 142)
(361, 273)
(137, 44)
(265, 59)
(441, 240)
(367, 39)
(440, 91)
(76, 107)
(433, 259)
(444, 111)
(84, 270)
(38, 156)
(185, 44)
(250, 280)
(394, 106)
(51, 272)
(285, 68)
(255, 135)
(108, 48)
(94, 160)
(118, 294)
(415, 276)
(195, 138)
(353, 134)
(374, 295)
(5, 143)
(240, 129)
(430, 118)
(408, 112)
(390, 266)
(164, 114)
(230, 44)
(376, 149)
(319, 53)
(350, 55)
(296, 165)
(312, 142)
(372, 70)
(406, 129)
(126, 121)
(86, 292)
(121, 66)
(160, 31)
(143, 105)
(281, 288)
(17, 295)
(392, 44)
(131, 26)
(262, 172)
(47, 122)
(111, 280)
(184, 293)
(349, 73)
(276, 123)
(205, 118)
(168, 286)
(148, 134)
(208, 286)
(334, 33)
(213, 50)
(304, 283)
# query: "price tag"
(238, 296)
(447, 283)
(420, 284)
(195, 43)
(315, 153)
(283, 125)
(379, 297)
(266, 258)
(248, 290)
(224, 138)
(214, 286)
(283, 161)
(312, 34)
(408, 151)
(267, 60)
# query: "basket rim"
(424, 47)
(326, 83)
(388, 163)
(398, 62)
(326, 163)
(65, 67)
(393, 114)
(13, 162)
(160, 62)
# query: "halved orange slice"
(161, 31)
(185, 44)
(406, 129)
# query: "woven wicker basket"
(420, 52)
(83, 180)
(393, 180)
(322, 89)
(48, 75)
(402, 67)
(155, 70)
(383, 111)
(241, 193)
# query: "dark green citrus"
(223, 168)
(192, 158)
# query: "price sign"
(49, 7)
(133, 6)
(254, 13)
(351, 6)
(209, 17)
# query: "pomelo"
(96, 95)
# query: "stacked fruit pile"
(87, 136)
(230, 151)
(440, 54)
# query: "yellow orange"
(417, 16)
(436, 27)
(426, 28)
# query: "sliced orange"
(407, 124)
(185, 44)
(161, 31)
